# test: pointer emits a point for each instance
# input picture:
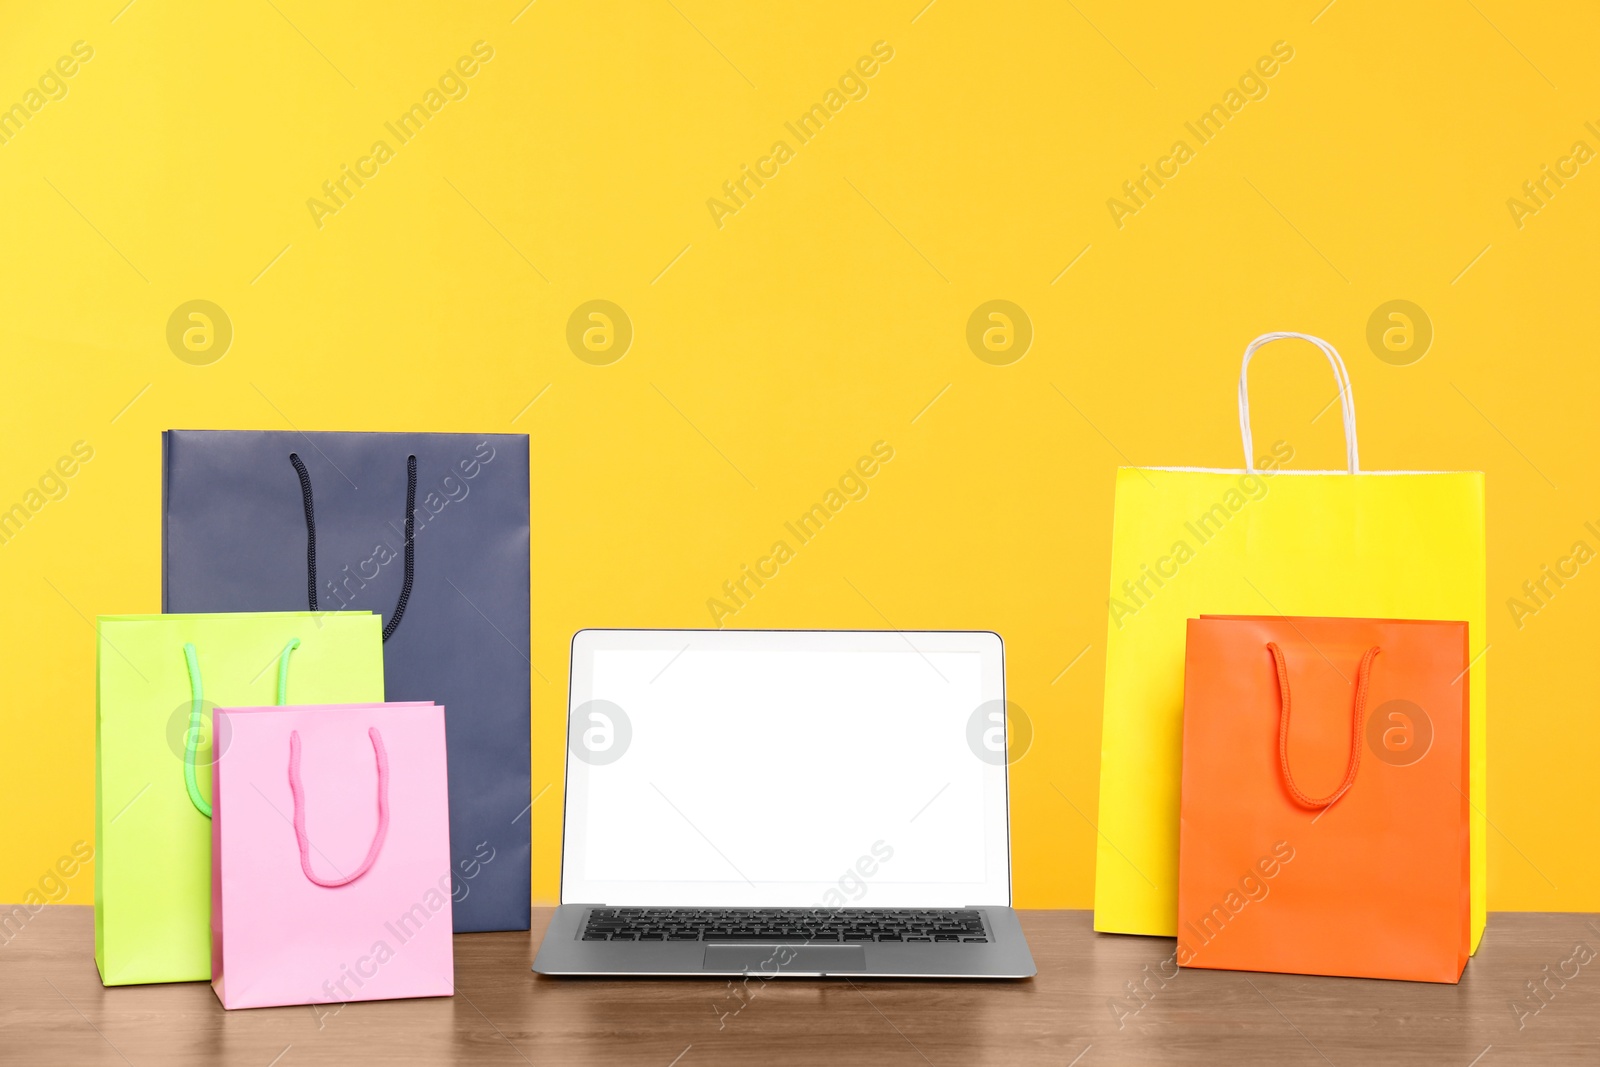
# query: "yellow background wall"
(827, 313)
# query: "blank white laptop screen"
(786, 769)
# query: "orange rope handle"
(1363, 676)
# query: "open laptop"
(793, 802)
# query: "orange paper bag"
(1324, 821)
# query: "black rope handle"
(410, 551)
(411, 548)
(311, 529)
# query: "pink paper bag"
(330, 859)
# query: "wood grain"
(54, 1010)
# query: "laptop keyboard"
(768, 925)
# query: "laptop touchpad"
(785, 959)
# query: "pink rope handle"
(1364, 674)
(300, 811)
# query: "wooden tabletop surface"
(1077, 1012)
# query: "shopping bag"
(430, 531)
(1324, 825)
(158, 679)
(1186, 542)
(330, 873)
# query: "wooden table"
(53, 1010)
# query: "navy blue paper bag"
(430, 530)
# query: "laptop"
(786, 803)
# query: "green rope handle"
(192, 736)
(196, 698)
(283, 670)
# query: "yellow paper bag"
(1259, 541)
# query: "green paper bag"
(157, 679)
